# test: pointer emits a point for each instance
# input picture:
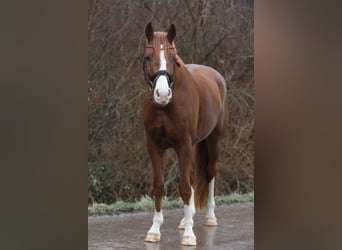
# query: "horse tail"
(201, 180)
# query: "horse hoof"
(211, 222)
(189, 241)
(152, 237)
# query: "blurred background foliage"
(215, 33)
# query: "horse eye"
(147, 58)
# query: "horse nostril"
(158, 93)
(169, 92)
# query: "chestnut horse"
(184, 109)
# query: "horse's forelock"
(160, 38)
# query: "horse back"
(207, 77)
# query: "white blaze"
(162, 58)
(162, 92)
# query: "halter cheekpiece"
(150, 80)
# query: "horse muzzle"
(162, 92)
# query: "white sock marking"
(189, 212)
(211, 201)
(158, 220)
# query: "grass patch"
(146, 203)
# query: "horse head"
(159, 64)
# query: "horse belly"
(209, 112)
(206, 125)
(211, 88)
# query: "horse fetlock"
(189, 222)
(181, 224)
(159, 220)
(210, 212)
(193, 210)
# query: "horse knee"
(158, 189)
(185, 193)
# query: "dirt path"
(127, 231)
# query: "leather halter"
(150, 80)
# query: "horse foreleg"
(153, 234)
(189, 238)
(187, 193)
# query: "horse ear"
(149, 31)
(171, 34)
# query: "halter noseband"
(150, 80)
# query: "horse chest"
(163, 131)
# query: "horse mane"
(179, 61)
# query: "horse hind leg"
(181, 225)
(213, 151)
(210, 218)
(199, 177)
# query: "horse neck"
(182, 74)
